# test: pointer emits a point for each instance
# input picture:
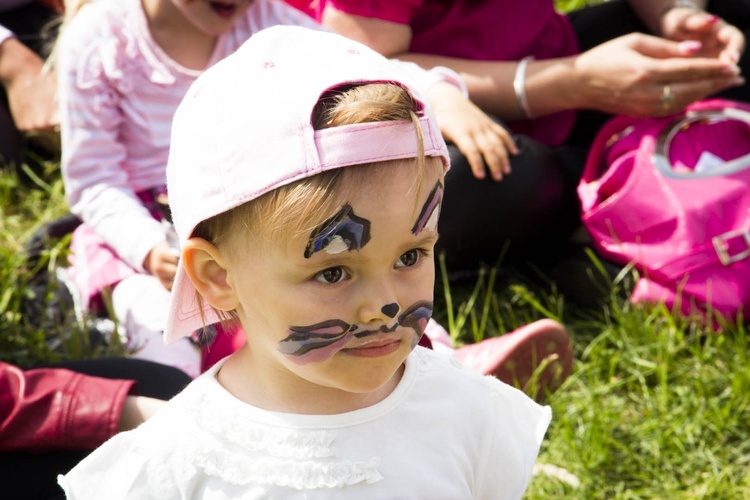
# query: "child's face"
(212, 17)
(344, 306)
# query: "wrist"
(519, 87)
(674, 14)
(680, 4)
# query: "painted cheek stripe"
(416, 317)
(304, 339)
(315, 343)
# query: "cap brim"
(185, 317)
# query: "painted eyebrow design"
(350, 230)
(428, 209)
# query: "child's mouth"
(224, 9)
(375, 349)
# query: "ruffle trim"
(278, 441)
(240, 451)
(300, 475)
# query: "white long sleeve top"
(445, 432)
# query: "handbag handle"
(663, 141)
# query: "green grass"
(29, 198)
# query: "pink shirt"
(498, 30)
(118, 91)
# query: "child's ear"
(206, 268)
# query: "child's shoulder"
(451, 383)
(98, 21)
(443, 368)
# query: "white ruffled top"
(445, 432)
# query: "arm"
(485, 80)
(98, 185)
(484, 142)
(29, 86)
(60, 409)
(623, 76)
(391, 39)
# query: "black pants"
(533, 210)
(27, 475)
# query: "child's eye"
(409, 259)
(331, 275)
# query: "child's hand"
(480, 139)
(161, 262)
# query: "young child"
(123, 67)
(305, 177)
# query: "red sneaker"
(536, 358)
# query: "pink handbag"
(672, 196)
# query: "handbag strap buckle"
(728, 255)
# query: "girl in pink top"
(123, 67)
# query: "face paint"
(416, 318)
(342, 232)
(390, 310)
(318, 342)
(428, 217)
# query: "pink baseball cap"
(244, 129)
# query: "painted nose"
(390, 310)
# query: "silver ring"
(667, 98)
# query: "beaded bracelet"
(519, 86)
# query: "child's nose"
(390, 310)
(380, 304)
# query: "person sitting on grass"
(305, 177)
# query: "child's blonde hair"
(295, 209)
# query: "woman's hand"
(476, 135)
(161, 262)
(643, 75)
(718, 38)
